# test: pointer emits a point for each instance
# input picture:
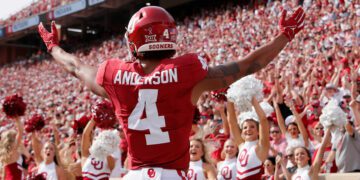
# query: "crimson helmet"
(152, 28)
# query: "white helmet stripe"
(157, 46)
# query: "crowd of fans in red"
(36, 7)
(321, 63)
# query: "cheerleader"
(306, 170)
(96, 161)
(253, 140)
(200, 167)
(47, 159)
(10, 157)
(227, 168)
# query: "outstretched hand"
(50, 38)
(291, 26)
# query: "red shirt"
(13, 171)
(155, 109)
(326, 154)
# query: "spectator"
(278, 143)
(293, 128)
(289, 165)
(318, 133)
(306, 169)
(269, 167)
(325, 167)
(200, 164)
(346, 150)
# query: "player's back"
(154, 109)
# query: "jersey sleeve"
(198, 68)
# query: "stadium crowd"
(321, 64)
(36, 7)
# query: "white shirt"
(95, 168)
(248, 163)
(227, 169)
(48, 170)
(302, 174)
(299, 141)
(196, 171)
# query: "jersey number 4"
(153, 122)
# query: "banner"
(94, 2)
(69, 8)
(24, 24)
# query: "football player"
(154, 95)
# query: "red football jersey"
(154, 109)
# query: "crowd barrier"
(340, 176)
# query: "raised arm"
(221, 108)
(279, 117)
(86, 139)
(36, 146)
(300, 124)
(71, 63)
(280, 164)
(277, 87)
(354, 105)
(264, 134)
(20, 132)
(235, 132)
(315, 168)
(223, 75)
(56, 135)
(354, 77)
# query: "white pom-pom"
(332, 114)
(104, 144)
(247, 116)
(242, 91)
(336, 136)
(267, 108)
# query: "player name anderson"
(158, 77)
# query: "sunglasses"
(289, 156)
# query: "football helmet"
(152, 28)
